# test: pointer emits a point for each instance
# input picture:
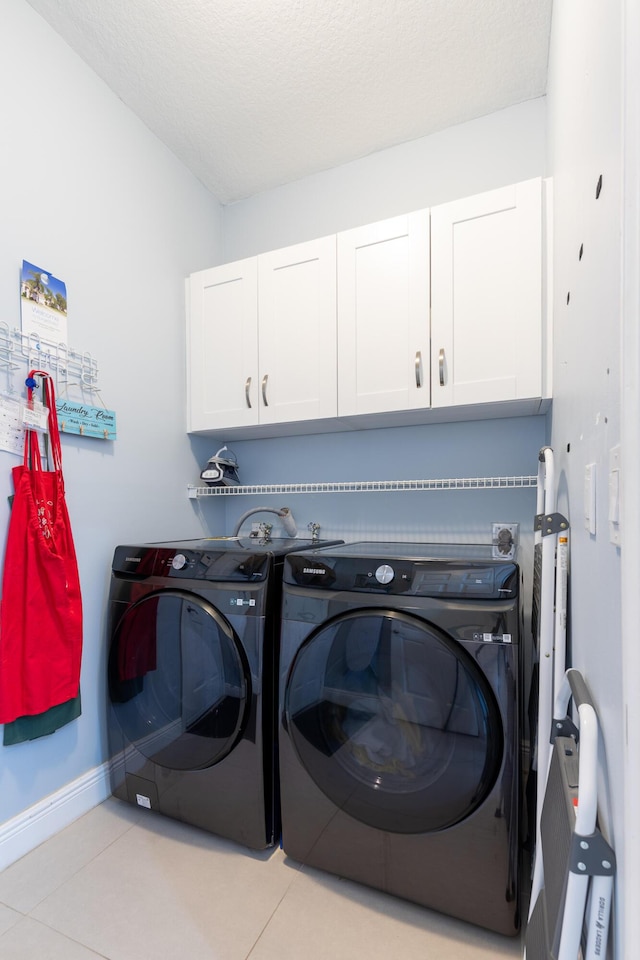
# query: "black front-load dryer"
(193, 642)
(399, 738)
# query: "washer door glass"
(394, 721)
(178, 680)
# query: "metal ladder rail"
(548, 525)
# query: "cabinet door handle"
(441, 366)
(418, 368)
(247, 387)
(264, 389)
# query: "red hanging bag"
(41, 612)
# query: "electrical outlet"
(504, 540)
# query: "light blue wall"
(107, 208)
(89, 194)
(496, 150)
(502, 148)
(494, 448)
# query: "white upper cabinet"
(261, 337)
(222, 346)
(431, 316)
(486, 297)
(297, 332)
(383, 316)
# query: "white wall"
(87, 193)
(585, 142)
(630, 507)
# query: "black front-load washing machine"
(193, 642)
(399, 732)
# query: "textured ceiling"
(251, 94)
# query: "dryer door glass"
(178, 681)
(394, 721)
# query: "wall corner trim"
(38, 823)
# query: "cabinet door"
(297, 332)
(222, 346)
(383, 316)
(486, 297)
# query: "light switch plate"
(589, 504)
(614, 496)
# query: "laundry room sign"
(85, 420)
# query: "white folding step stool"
(573, 907)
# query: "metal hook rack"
(68, 366)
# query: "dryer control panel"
(403, 572)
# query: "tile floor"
(126, 884)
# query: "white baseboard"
(38, 823)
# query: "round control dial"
(385, 573)
(178, 561)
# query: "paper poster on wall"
(43, 300)
(11, 426)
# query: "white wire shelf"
(366, 486)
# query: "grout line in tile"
(83, 867)
(85, 946)
(19, 916)
(297, 868)
(3, 903)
